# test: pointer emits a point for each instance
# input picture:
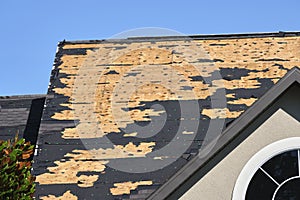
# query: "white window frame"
(265, 154)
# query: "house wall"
(220, 181)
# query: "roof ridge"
(194, 37)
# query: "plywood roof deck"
(82, 104)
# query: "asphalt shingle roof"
(95, 84)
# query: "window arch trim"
(256, 161)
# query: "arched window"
(272, 173)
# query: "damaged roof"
(96, 138)
(283, 95)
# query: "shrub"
(16, 181)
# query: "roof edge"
(26, 96)
(193, 37)
(230, 132)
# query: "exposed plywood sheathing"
(126, 187)
(64, 115)
(221, 113)
(66, 172)
(188, 132)
(158, 59)
(248, 102)
(229, 52)
(66, 196)
(106, 87)
(128, 151)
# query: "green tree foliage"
(16, 181)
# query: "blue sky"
(30, 30)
